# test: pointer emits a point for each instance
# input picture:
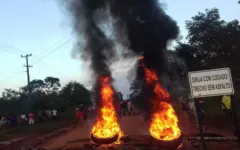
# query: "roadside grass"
(64, 119)
(214, 116)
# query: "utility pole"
(27, 66)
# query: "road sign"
(214, 82)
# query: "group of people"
(124, 108)
(31, 118)
(45, 115)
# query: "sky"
(43, 28)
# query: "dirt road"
(130, 125)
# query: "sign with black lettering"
(214, 82)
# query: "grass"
(64, 119)
(214, 115)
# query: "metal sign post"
(235, 117)
(200, 122)
(208, 83)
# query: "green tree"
(76, 93)
(216, 42)
(9, 106)
(10, 94)
(190, 56)
(52, 84)
(37, 85)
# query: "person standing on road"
(31, 118)
(80, 117)
(124, 108)
(76, 110)
(49, 114)
(184, 104)
(81, 107)
(118, 109)
(54, 114)
(192, 110)
(129, 107)
(23, 119)
(84, 112)
(3, 121)
(227, 109)
(226, 105)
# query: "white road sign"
(214, 82)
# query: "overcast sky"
(42, 28)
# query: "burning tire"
(173, 144)
(104, 140)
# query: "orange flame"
(106, 125)
(164, 122)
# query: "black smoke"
(141, 26)
(147, 27)
(149, 30)
(87, 18)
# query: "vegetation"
(211, 43)
(45, 94)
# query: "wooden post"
(200, 125)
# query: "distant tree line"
(44, 94)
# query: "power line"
(7, 76)
(7, 50)
(53, 50)
(12, 47)
(49, 68)
(15, 50)
(2, 73)
(52, 46)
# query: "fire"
(164, 122)
(106, 125)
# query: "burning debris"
(142, 28)
(106, 130)
(88, 16)
(164, 122)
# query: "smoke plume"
(87, 18)
(140, 26)
(148, 30)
